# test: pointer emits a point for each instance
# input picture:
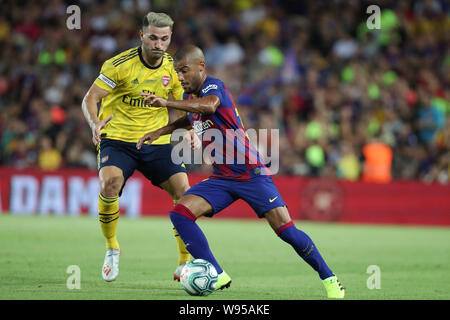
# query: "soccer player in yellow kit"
(123, 118)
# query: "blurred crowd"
(349, 102)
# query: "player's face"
(155, 41)
(189, 74)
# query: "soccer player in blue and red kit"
(210, 106)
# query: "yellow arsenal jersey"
(124, 76)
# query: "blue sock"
(196, 243)
(305, 248)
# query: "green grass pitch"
(36, 251)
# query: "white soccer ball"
(198, 277)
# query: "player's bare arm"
(149, 137)
(89, 106)
(204, 105)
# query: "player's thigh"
(216, 192)
(115, 165)
(261, 194)
(277, 217)
(176, 185)
(155, 164)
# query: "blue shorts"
(153, 161)
(260, 193)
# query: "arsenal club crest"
(165, 80)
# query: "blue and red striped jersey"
(222, 133)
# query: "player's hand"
(150, 137)
(192, 137)
(97, 128)
(153, 100)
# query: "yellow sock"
(108, 215)
(183, 254)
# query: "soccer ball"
(198, 277)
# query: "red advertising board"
(74, 192)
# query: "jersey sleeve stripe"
(116, 63)
(168, 56)
(125, 56)
(107, 81)
(128, 58)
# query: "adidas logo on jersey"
(135, 81)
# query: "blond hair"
(159, 20)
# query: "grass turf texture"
(36, 251)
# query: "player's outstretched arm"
(89, 106)
(204, 105)
(168, 129)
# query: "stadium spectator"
(313, 67)
(349, 166)
(49, 158)
(378, 161)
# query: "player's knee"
(278, 217)
(180, 211)
(110, 187)
(279, 230)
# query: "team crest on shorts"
(165, 80)
(105, 158)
